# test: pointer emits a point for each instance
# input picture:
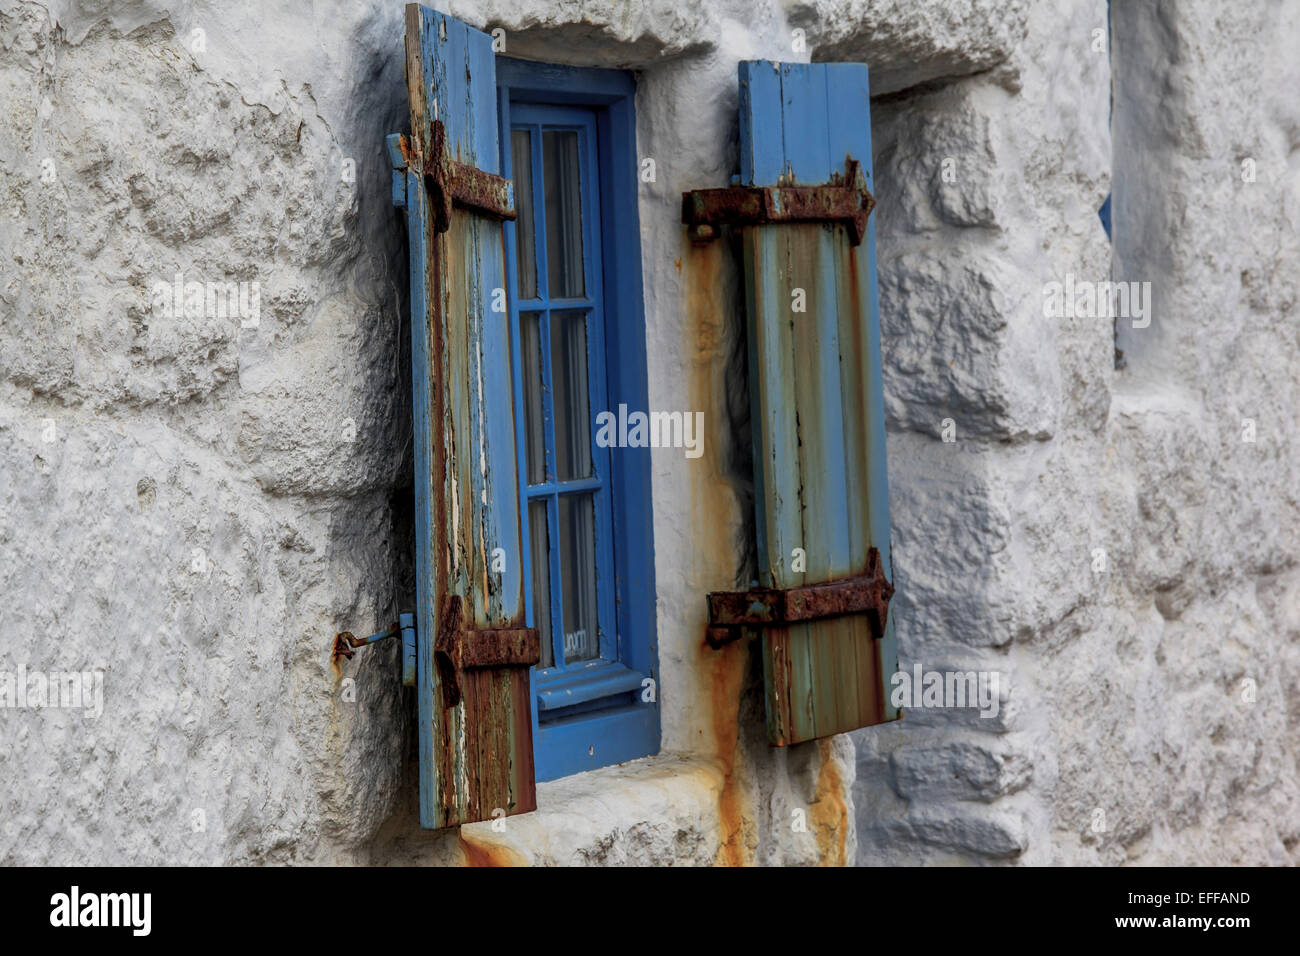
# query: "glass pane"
(563, 214)
(569, 385)
(530, 338)
(521, 162)
(539, 554)
(578, 577)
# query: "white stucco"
(196, 508)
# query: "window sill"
(656, 811)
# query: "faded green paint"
(821, 500)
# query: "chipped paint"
(814, 465)
(475, 715)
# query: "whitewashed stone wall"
(1103, 539)
(196, 507)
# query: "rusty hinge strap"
(732, 612)
(457, 648)
(451, 181)
(847, 201)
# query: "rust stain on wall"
(712, 504)
(828, 817)
(726, 670)
(487, 854)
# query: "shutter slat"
(816, 391)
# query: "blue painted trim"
(596, 739)
(586, 681)
(544, 302)
(394, 143)
(426, 593)
(531, 82)
(628, 728)
(572, 486)
(535, 120)
(406, 622)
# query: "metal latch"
(844, 199)
(731, 613)
(458, 648)
(346, 644)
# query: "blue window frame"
(573, 266)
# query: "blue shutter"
(815, 384)
(473, 651)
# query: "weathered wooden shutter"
(821, 498)
(474, 653)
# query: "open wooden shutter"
(473, 651)
(821, 498)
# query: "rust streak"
(726, 671)
(828, 816)
(712, 501)
(487, 854)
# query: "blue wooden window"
(573, 268)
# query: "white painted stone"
(202, 517)
(908, 43)
(1131, 731)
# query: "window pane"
(539, 554)
(530, 339)
(578, 577)
(563, 214)
(569, 391)
(521, 162)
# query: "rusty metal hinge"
(458, 648)
(844, 199)
(346, 644)
(732, 613)
(450, 181)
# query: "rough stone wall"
(196, 507)
(1103, 538)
